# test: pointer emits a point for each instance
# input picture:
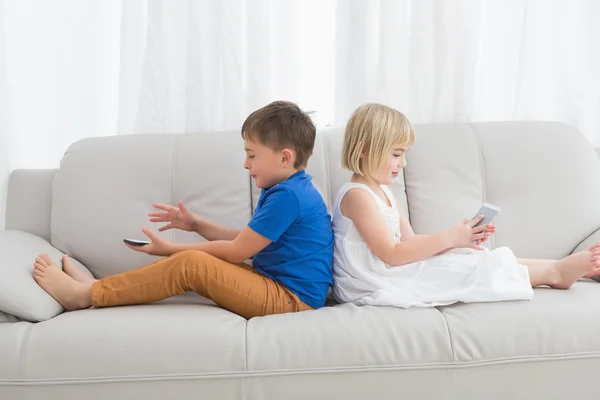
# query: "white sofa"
(545, 177)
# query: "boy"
(289, 238)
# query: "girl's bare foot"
(583, 264)
(72, 270)
(594, 249)
(72, 295)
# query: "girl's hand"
(465, 236)
(157, 246)
(491, 231)
(177, 217)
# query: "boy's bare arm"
(211, 231)
(181, 218)
(244, 245)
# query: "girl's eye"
(397, 155)
(251, 156)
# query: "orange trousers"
(235, 287)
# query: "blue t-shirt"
(293, 216)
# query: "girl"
(379, 260)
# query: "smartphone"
(489, 212)
(134, 242)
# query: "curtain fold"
(467, 61)
(71, 69)
(5, 161)
(204, 65)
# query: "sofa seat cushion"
(135, 342)
(364, 350)
(554, 325)
(346, 336)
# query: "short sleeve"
(278, 212)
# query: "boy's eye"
(250, 156)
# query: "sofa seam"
(173, 177)
(482, 171)
(52, 202)
(22, 350)
(406, 196)
(586, 238)
(286, 372)
(244, 385)
(449, 334)
(327, 169)
(251, 197)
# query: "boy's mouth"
(395, 174)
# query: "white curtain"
(70, 69)
(470, 60)
(192, 66)
(4, 123)
(59, 67)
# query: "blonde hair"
(374, 130)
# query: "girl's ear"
(363, 150)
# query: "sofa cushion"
(347, 335)
(544, 177)
(337, 352)
(554, 325)
(462, 350)
(106, 186)
(4, 317)
(143, 342)
(20, 295)
(12, 336)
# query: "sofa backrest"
(544, 176)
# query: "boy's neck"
(287, 175)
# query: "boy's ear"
(288, 157)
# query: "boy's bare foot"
(72, 270)
(72, 295)
(586, 263)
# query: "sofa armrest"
(29, 201)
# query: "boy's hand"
(177, 217)
(157, 247)
(464, 235)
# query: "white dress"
(459, 275)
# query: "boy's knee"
(191, 255)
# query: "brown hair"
(280, 125)
(372, 131)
